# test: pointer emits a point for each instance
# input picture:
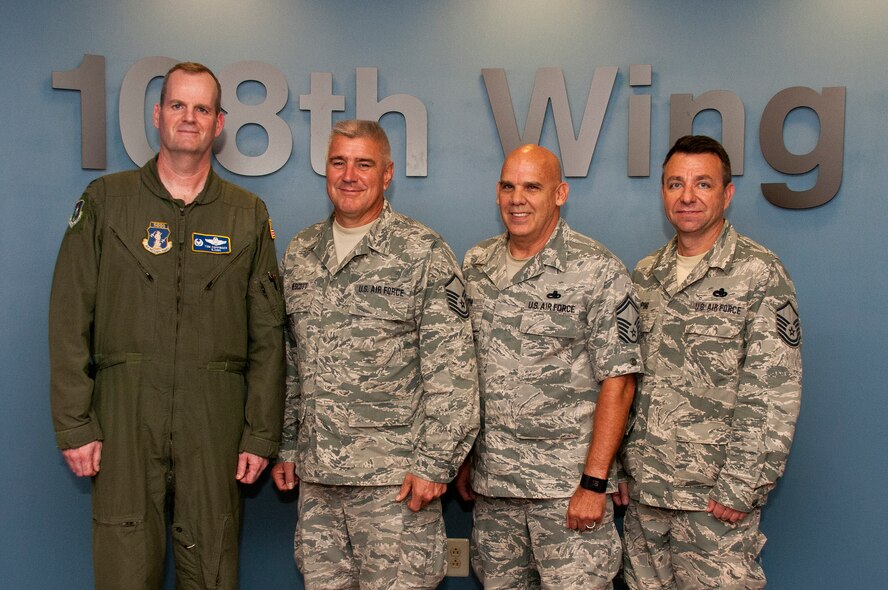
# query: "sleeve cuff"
(258, 446)
(73, 438)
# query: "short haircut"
(359, 128)
(700, 144)
(191, 67)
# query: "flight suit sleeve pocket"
(271, 296)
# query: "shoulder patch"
(456, 297)
(271, 230)
(628, 321)
(77, 215)
(789, 328)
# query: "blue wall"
(826, 522)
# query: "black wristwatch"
(593, 484)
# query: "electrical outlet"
(457, 558)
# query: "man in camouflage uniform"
(718, 401)
(167, 351)
(382, 393)
(555, 326)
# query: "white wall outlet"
(457, 558)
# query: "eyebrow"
(524, 184)
(681, 178)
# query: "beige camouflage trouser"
(524, 544)
(690, 550)
(350, 537)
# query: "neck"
(184, 176)
(692, 245)
(523, 249)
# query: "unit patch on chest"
(158, 240)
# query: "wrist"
(593, 484)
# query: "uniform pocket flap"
(379, 302)
(104, 361)
(544, 324)
(299, 301)
(370, 414)
(716, 327)
(227, 366)
(547, 428)
(706, 432)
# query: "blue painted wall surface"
(826, 522)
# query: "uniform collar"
(719, 256)
(378, 239)
(553, 255)
(151, 179)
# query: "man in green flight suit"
(166, 346)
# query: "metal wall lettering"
(828, 154)
(549, 86)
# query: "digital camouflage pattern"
(565, 558)
(718, 402)
(545, 339)
(691, 550)
(381, 373)
(336, 553)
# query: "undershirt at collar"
(685, 264)
(513, 265)
(346, 238)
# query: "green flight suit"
(166, 343)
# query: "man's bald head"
(530, 193)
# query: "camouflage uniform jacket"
(545, 339)
(718, 402)
(381, 373)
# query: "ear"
(155, 118)
(388, 174)
(729, 194)
(561, 194)
(220, 123)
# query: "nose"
(348, 172)
(687, 194)
(517, 197)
